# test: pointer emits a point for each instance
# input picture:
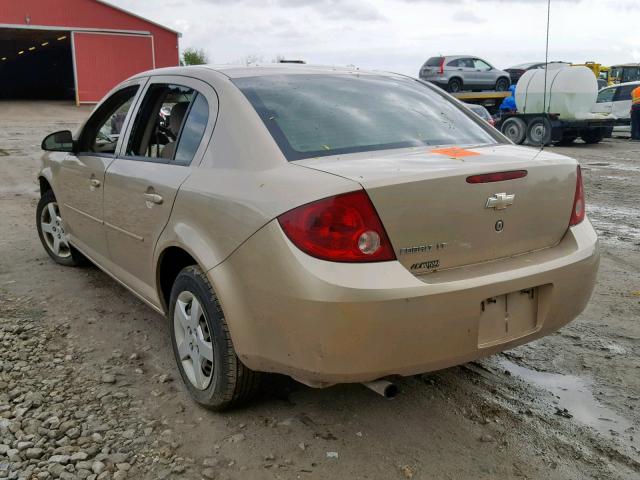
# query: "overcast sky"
(399, 35)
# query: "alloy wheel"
(193, 339)
(53, 230)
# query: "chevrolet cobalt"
(331, 225)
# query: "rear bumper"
(325, 323)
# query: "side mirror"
(59, 142)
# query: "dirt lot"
(88, 386)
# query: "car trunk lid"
(436, 220)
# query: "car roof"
(625, 65)
(635, 82)
(241, 71)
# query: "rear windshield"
(433, 62)
(523, 66)
(320, 115)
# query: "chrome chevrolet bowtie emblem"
(500, 201)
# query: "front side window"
(481, 65)
(606, 95)
(320, 115)
(102, 131)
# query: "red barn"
(76, 49)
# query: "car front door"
(470, 77)
(162, 147)
(80, 178)
(484, 74)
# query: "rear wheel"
(454, 85)
(515, 129)
(539, 132)
(591, 136)
(51, 232)
(208, 364)
(502, 85)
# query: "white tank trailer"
(560, 115)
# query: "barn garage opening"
(36, 64)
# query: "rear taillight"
(577, 214)
(344, 228)
(441, 66)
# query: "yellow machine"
(600, 71)
(628, 72)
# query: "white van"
(616, 99)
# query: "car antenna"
(546, 70)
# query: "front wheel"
(51, 232)
(208, 364)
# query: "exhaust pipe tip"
(383, 387)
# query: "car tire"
(567, 139)
(539, 132)
(502, 85)
(210, 369)
(591, 136)
(515, 129)
(454, 85)
(52, 235)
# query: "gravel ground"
(89, 390)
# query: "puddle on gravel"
(574, 394)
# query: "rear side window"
(434, 62)
(169, 124)
(453, 63)
(193, 130)
(320, 115)
(624, 93)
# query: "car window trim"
(166, 161)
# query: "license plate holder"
(509, 316)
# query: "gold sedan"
(328, 224)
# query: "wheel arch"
(170, 262)
(45, 182)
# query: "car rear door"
(164, 144)
(80, 178)
(621, 104)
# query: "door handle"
(153, 198)
(94, 182)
